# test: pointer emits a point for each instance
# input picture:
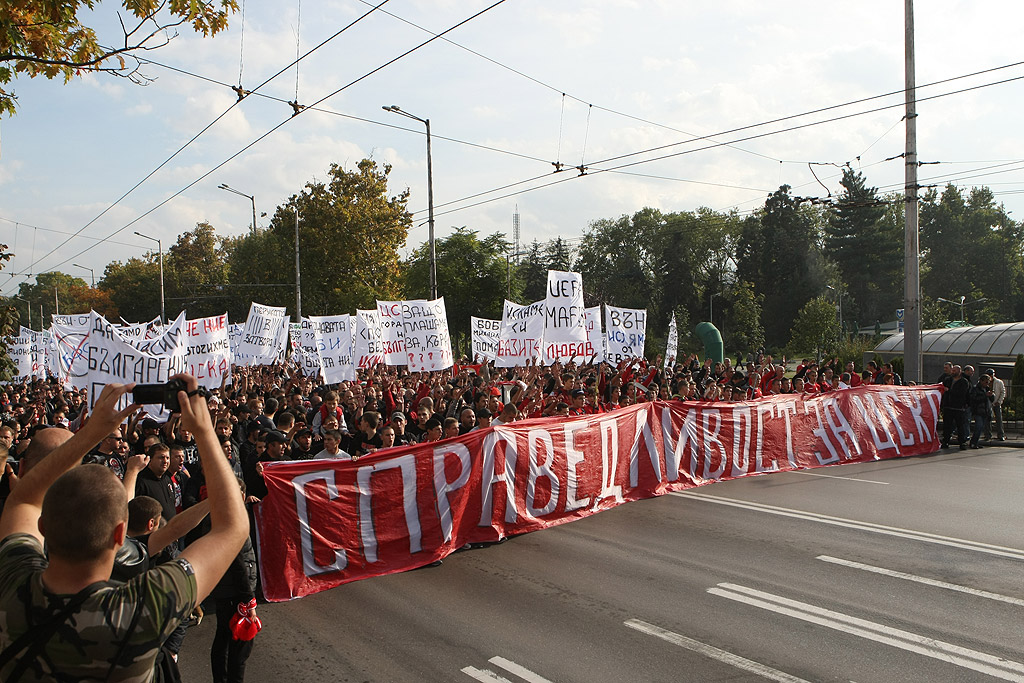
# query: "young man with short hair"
(97, 630)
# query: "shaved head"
(43, 443)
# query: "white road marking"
(488, 676)
(922, 536)
(921, 579)
(963, 467)
(991, 665)
(485, 675)
(832, 476)
(713, 652)
(514, 668)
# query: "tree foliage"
(816, 327)
(47, 37)
(471, 276)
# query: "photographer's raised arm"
(25, 504)
(211, 555)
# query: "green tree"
(68, 293)
(349, 234)
(9, 323)
(557, 256)
(743, 330)
(133, 287)
(195, 272)
(532, 275)
(779, 253)
(471, 275)
(616, 261)
(816, 327)
(863, 237)
(48, 38)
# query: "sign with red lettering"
(390, 315)
(209, 350)
(325, 523)
(565, 317)
(520, 335)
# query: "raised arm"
(211, 554)
(25, 504)
(179, 525)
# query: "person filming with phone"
(61, 618)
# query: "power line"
(241, 95)
(282, 123)
(591, 170)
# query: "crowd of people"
(274, 413)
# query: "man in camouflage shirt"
(61, 618)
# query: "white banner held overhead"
(170, 343)
(333, 335)
(565, 332)
(625, 330)
(309, 359)
(522, 329)
(209, 350)
(19, 350)
(369, 350)
(594, 350)
(390, 315)
(103, 357)
(672, 348)
(428, 345)
(484, 338)
(264, 335)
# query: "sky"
(510, 93)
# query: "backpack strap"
(32, 641)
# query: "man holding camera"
(60, 616)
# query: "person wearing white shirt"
(998, 395)
(332, 447)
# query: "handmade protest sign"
(369, 350)
(565, 331)
(594, 348)
(428, 346)
(484, 338)
(264, 335)
(19, 350)
(334, 343)
(672, 347)
(625, 330)
(209, 350)
(170, 343)
(520, 335)
(390, 315)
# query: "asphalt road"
(901, 570)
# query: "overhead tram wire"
(239, 91)
(557, 90)
(282, 123)
(332, 112)
(591, 170)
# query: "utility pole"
(298, 281)
(912, 369)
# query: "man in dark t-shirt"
(155, 482)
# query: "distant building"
(983, 346)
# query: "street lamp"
(160, 250)
(251, 198)
(90, 270)
(963, 303)
(711, 306)
(430, 196)
(28, 306)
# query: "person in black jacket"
(981, 407)
(955, 409)
(236, 587)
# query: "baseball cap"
(274, 436)
(398, 414)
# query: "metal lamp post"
(711, 306)
(251, 198)
(160, 250)
(430, 196)
(91, 271)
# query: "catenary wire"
(282, 123)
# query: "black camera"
(163, 394)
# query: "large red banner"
(327, 522)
